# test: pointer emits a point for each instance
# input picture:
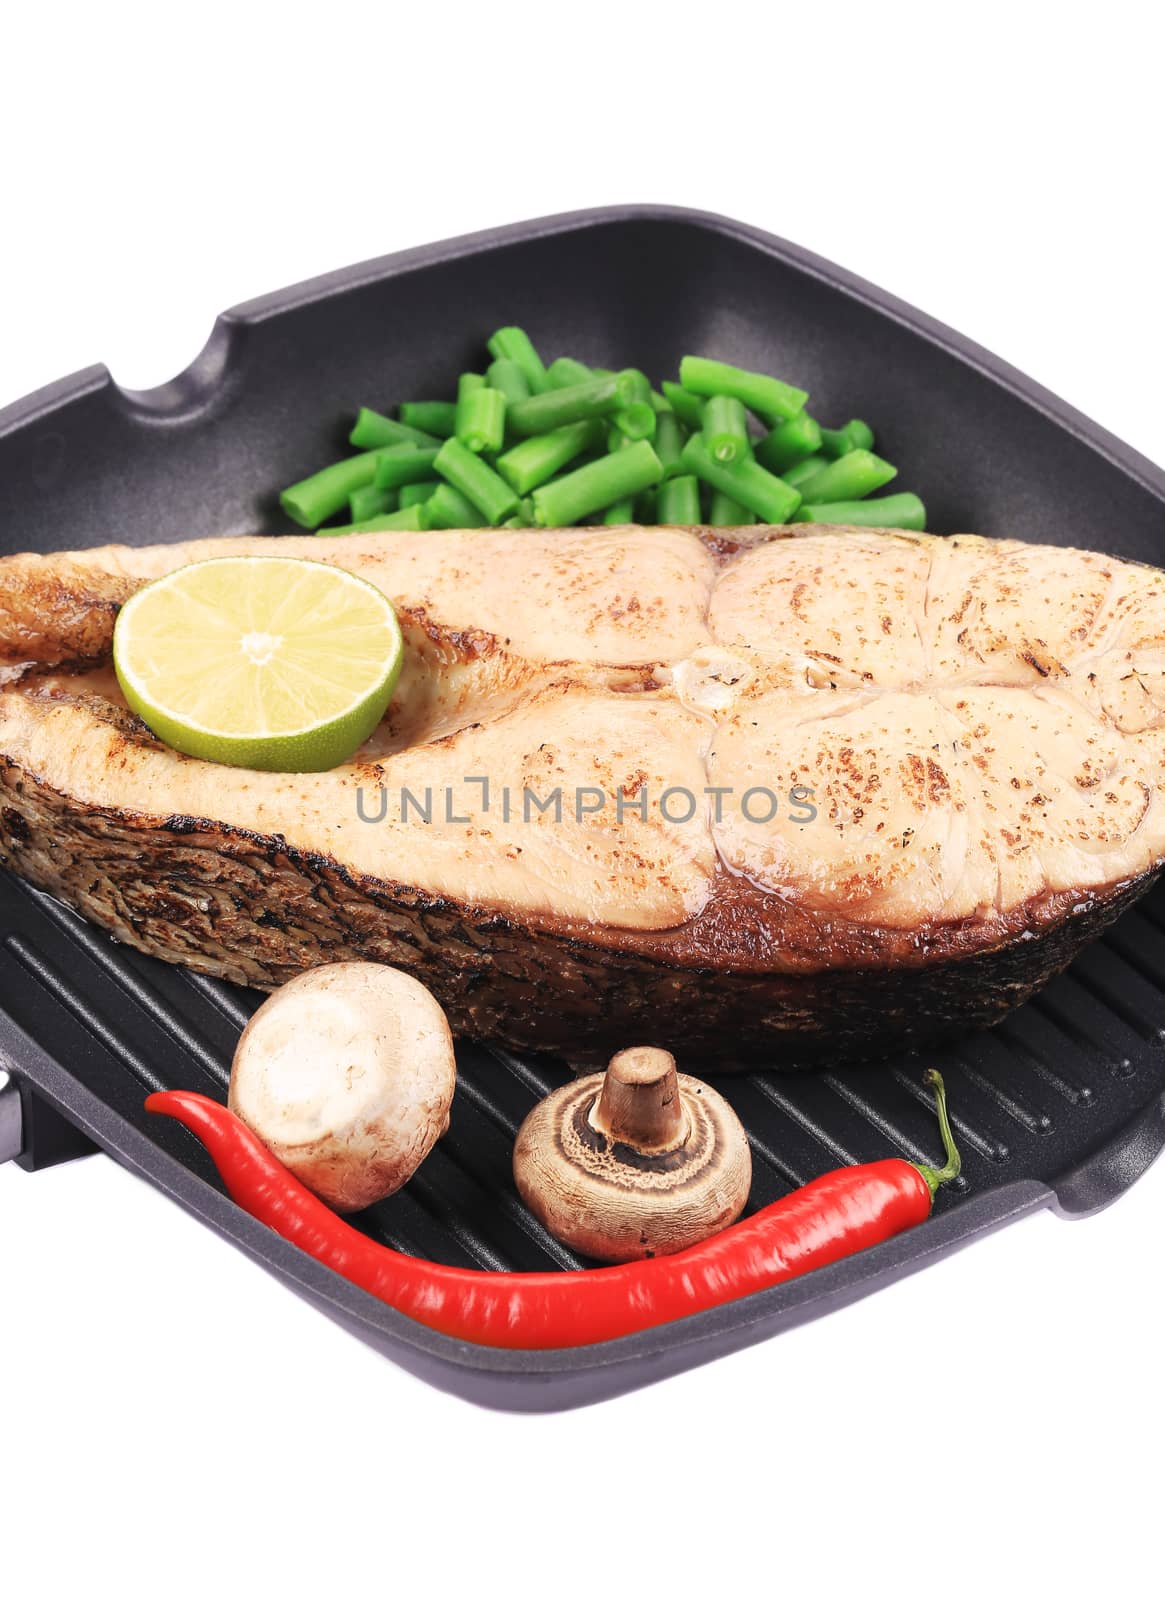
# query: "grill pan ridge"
(1063, 1104)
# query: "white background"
(167, 1409)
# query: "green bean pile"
(529, 445)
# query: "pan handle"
(32, 1132)
(11, 1119)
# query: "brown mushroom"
(347, 1075)
(637, 1161)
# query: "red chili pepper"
(834, 1216)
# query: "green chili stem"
(937, 1176)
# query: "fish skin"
(912, 678)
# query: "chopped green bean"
(726, 428)
(769, 496)
(566, 372)
(788, 443)
(479, 483)
(891, 511)
(771, 399)
(403, 463)
(856, 435)
(313, 500)
(481, 419)
(800, 472)
(437, 418)
(513, 344)
(468, 384)
(677, 501)
(850, 477)
(689, 408)
(529, 443)
(596, 486)
(725, 512)
(446, 508)
(369, 501)
(372, 431)
(408, 520)
(536, 460)
(636, 421)
(415, 494)
(508, 378)
(634, 386)
(598, 397)
(669, 442)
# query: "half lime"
(259, 661)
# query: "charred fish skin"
(981, 724)
(256, 912)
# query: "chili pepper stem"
(936, 1176)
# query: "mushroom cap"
(638, 1161)
(347, 1075)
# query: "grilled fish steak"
(974, 731)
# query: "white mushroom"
(347, 1075)
(636, 1161)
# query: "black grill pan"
(1064, 1104)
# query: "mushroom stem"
(639, 1103)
